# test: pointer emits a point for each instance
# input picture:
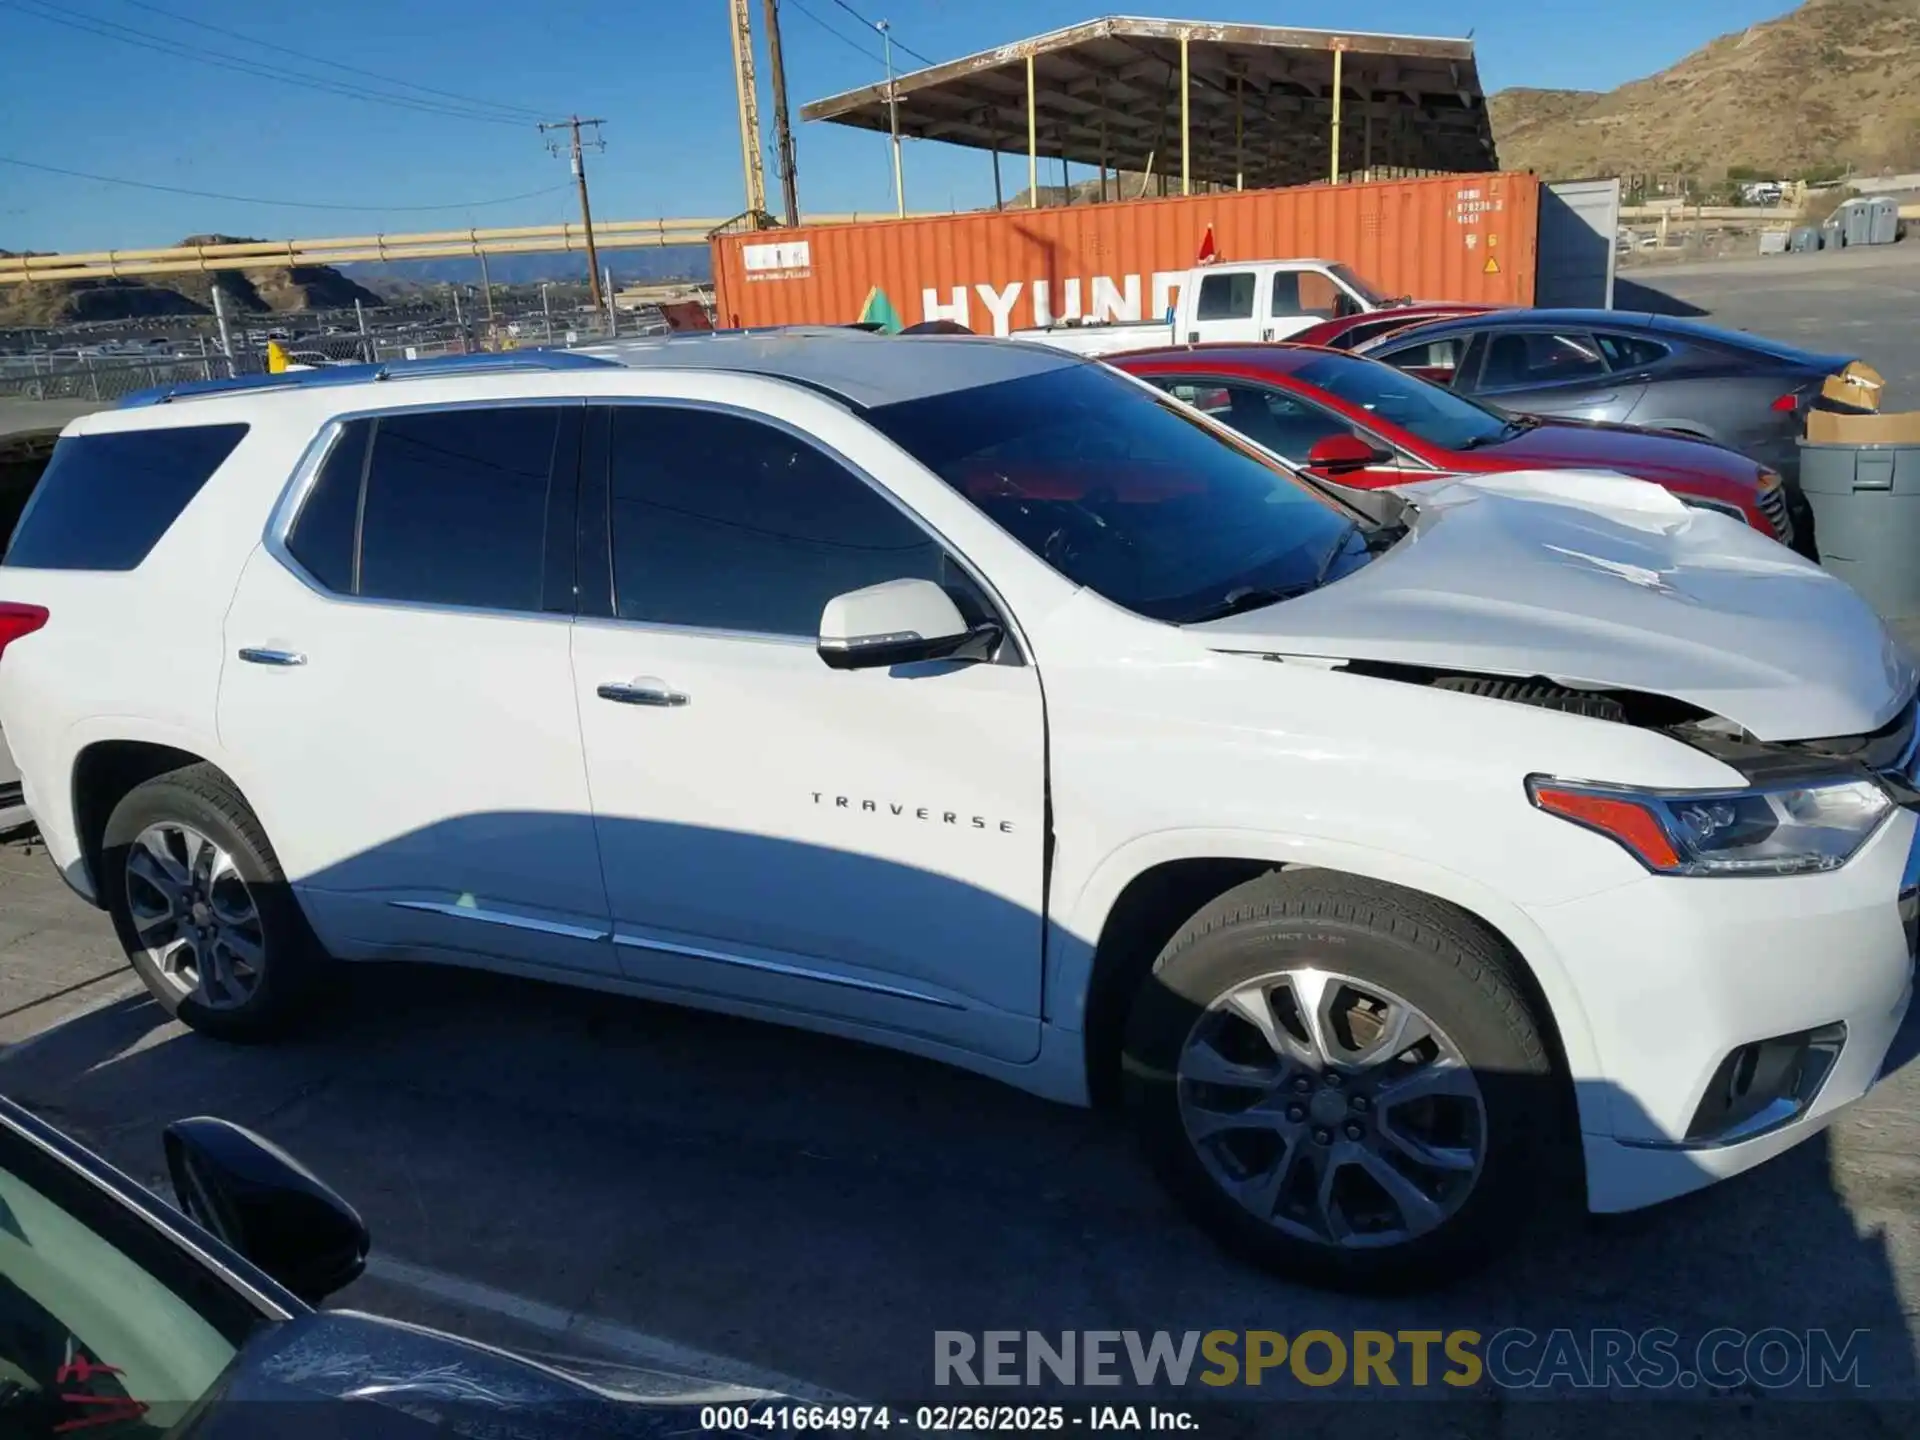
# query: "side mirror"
(1337, 454)
(894, 623)
(262, 1202)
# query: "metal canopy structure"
(1261, 105)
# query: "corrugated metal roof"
(1108, 90)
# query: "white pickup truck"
(1259, 300)
(1390, 857)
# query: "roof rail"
(479, 364)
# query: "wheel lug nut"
(1333, 1079)
(1302, 1083)
(1322, 1137)
(1354, 1132)
(1296, 1113)
(1359, 1103)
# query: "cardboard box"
(1830, 427)
(1859, 384)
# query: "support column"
(1033, 143)
(1186, 147)
(1103, 148)
(1239, 132)
(1333, 162)
(1366, 137)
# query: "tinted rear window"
(106, 500)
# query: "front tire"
(204, 910)
(1344, 1082)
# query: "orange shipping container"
(1457, 237)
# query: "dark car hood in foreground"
(341, 1374)
(1599, 581)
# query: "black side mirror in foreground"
(264, 1203)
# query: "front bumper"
(1674, 974)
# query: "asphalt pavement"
(577, 1174)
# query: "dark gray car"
(1650, 371)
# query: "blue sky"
(659, 71)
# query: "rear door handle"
(644, 691)
(257, 655)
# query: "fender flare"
(1071, 969)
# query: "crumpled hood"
(1595, 580)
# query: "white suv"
(975, 699)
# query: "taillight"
(1786, 404)
(18, 620)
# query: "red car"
(1350, 332)
(1361, 423)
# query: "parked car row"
(1388, 853)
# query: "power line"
(256, 200)
(898, 43)
(331, 64)
(873, 55)
(146, 40)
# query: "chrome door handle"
(255, 655)
(640, 692)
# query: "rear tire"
(204, 910)
(1450, 1118)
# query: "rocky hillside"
(269, 290)
(1835, 81)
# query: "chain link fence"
(106, 372)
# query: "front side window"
(442, 507)
(1226, 296)
(1436, 415)
(1535, 357)
(1318, 295)
(1273, 419)
(1437, 361)
(106, 1327)
(728, 523)
(105, 500)
(1122, 490)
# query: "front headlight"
(1786, 828)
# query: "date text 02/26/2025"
(943, 1419)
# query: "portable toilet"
(1855, 223)
(1806, 238)
(1833, 232)
(1883, 219)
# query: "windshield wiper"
(1243, 597)
(1515, 425)
(1334, 552)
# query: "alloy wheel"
(1332, 1109)
(195, 917)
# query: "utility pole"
(782, 130)
(573, 124)
(742, 27)
(893, 119)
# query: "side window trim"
(1014, 647)
(306, 472)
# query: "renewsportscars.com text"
(1510, 1359)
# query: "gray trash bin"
(1861, 474)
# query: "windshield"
(1437, 416)
(1121, 489)
(1360, 287)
